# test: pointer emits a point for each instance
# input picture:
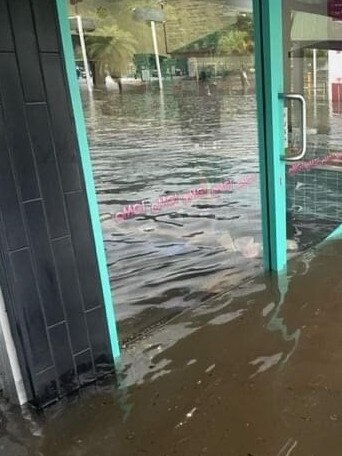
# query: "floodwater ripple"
(146, 147)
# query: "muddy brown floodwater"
(255, 372)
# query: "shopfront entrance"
(213, 133)
(214, 141)
(169, 97)
(205, 137)
(155, 155)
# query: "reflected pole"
(84, 51)
(156, 53)
(152, 16)
(314, 68)
(164, 29)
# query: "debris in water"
(266, 310)
(266, 362)
(210, 368)
(190, 414)
(187, 417)
(289, 446)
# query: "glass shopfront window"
(169, 100)
(313, 68)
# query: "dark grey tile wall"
(48, 269)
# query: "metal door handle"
(299, 97)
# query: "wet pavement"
(255, 372)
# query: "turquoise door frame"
(270, 84)
(70, 67)
(269, 76)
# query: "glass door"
(312, 50)
(168, 92)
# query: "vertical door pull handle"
(301, 99)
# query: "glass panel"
(313, 68)
(172, 128)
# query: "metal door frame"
(269, 84)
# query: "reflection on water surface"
(146, 147)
